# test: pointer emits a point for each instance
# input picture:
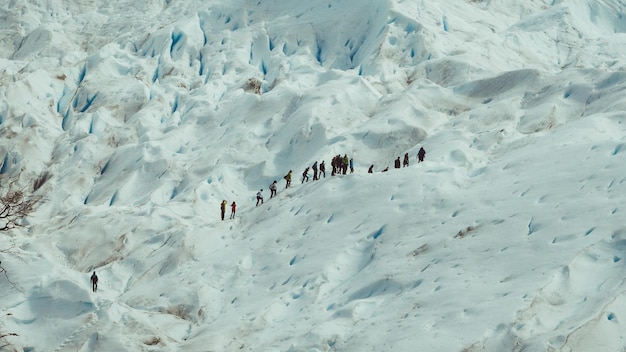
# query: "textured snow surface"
(142, 116)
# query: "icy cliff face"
(138, 118)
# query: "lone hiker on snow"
(94, 282)
(259, 197)
(223, 208)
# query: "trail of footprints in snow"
(82, 335)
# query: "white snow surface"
(142, 116)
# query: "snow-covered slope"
(141, 117)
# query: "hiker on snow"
(273, 189)
(322, 170)
(397, 163)
(344, 163)
(305, 175)
(259, 197)
(406, 160)
(94, 282)
(314, 167)
(233, 210)
(420, 155)
(336, 163)
(371, 169)
(351, 166)
(288, 179)
(223, 208)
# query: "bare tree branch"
(6, 275)
(5, 343)
(14, 207)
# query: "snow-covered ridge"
(143, 116)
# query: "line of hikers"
(340, 167)
(405, 162)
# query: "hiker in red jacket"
(233, 210)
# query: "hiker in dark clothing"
(397, 163)
(259, 197)
(322, 170)
(371, 169)
(406, 160)
(305, 175)
(94, 282)
(351, 166)
(314, 167)
(420, 155)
